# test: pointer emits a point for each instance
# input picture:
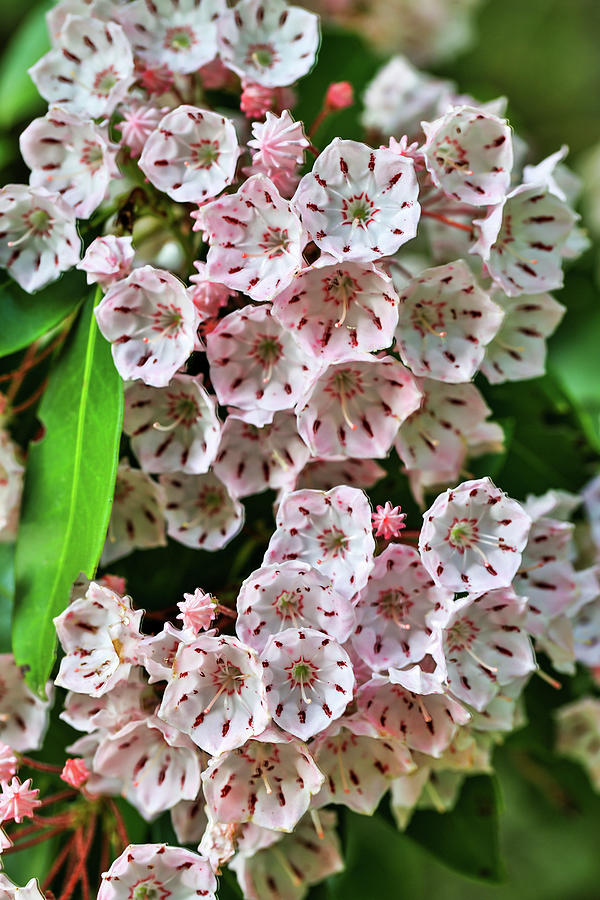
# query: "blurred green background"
(544, 55)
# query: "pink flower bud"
(256, 99)
(155, 80)
(75, 772)
(340, 94)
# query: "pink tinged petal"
(309, 680)
(75, 772)
(197, 610)
(400, 96)
(8, 762)
(23, 715)
(284, 870)
(11, 487)
(323, 474)
(445, 322)
(435, 438)
(137, 517)
(200, 511)
(427, 724)
(473, 537)
(255, 237)
(270, 43)
(179, 35)
(100, 636)
(160, 870)
(269, 782)
(70, 156)
(251, 459)
(522, 240)
(388, 521)
(469, 155)
(334, 310)
(486, 646)
(255, 363)
(174, 428)
(90, 69)
(330, 531)
(189, 820)
(355, 407)
(398, 611)
(358, 203)
(216, 693)
(518, 351)
(107, 259)
(156, 764)
(290, 595)
(191, 155)
(151, 323)
(358, 765)
(39, 235)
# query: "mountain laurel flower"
(191, 155)
(278, 150)
(469, 155)
(155, 764)
(23, 715)
(200, 510)
(578, 732)
(151, 323)
(357, 203)
(178, 34)
(356, 406)
(17, 801)
(157, 870)
(90, 69)
(518, 350)
(309, 680)
(359, 765)
(216, 693)
(269, 42)
(521, 240)
(38, 236)
(290, 595)
(107, 259)
(330, 531)
(255, 363)
(445, 322)
(399, 611)
(486, 645)
(435, 438)
(255, 238)
(336, 310)
(100, 635)
(473, 537)
(137, 518)
(269, 781)
(70, 156)
(173, 428)
(252, 459)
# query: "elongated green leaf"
(26, 317)
(467, 838)
(7, 592)
(68, 491)
(18, 95)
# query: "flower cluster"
(283, 327)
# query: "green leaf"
(465, 839)
(7, 592)
(18, 95)
(377, 857)
(68, 492)
(26, 317)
